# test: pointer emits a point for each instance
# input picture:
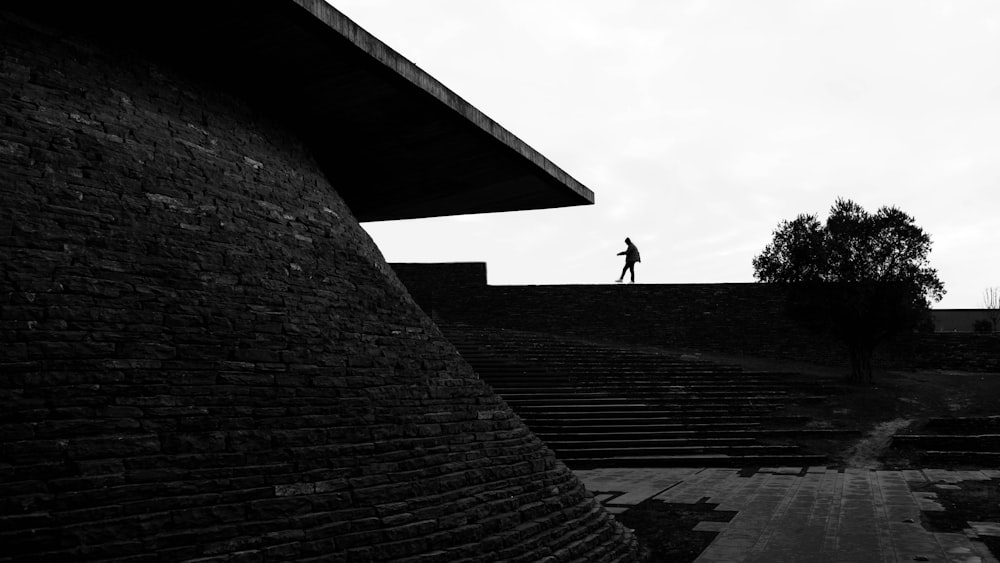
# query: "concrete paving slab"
(927, 501)
(781, 470)
(604, 497)
(710, 526)
(787, 515)
(986, 528)
(634, 484)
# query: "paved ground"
(806, 515)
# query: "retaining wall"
(204, 357)
(742, 319)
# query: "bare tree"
(991, 299)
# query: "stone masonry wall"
(727, 318)
(204, 357)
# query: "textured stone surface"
(204, 356)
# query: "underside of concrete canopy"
(395, 142)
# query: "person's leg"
(631, 270)
(625, 269)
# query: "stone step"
(532, 380)
(949, 442)
(707, 433)
(710, 460)
(598, 405)
(594, 393)
(550, 387)
(964, 424)
(598, 366)
(663, 421)
(665, 382)
(606, 443)
(619, 371)
(618, 418)
(560, 428)
(642, 409)
(544, 388)
(594, 364)
(957, 457)
(679, 450)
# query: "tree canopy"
(860, 276)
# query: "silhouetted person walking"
(631, 257)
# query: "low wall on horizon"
(738, 319)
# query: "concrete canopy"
(394, 142)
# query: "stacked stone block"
(204, 357)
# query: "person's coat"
(631, 254)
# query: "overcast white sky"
(701, 124)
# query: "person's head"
(628, 240)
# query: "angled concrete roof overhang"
(394, 142)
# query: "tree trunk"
(861, 363)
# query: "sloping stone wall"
(204, 356)
(728, 318)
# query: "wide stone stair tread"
(662, 387)
(650, 402)
(964, 424)
(562, 429)
(952, 457)
(602, 397)
(664, 422)
(641, 410)
(642, 451)
(539, 388)
(710, 433)
(589, 392)
(707, 460)
(595, 364)
(645, 409)
(950, 442)
(652, 442)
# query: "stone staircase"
(598, 405)
(951, 441)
